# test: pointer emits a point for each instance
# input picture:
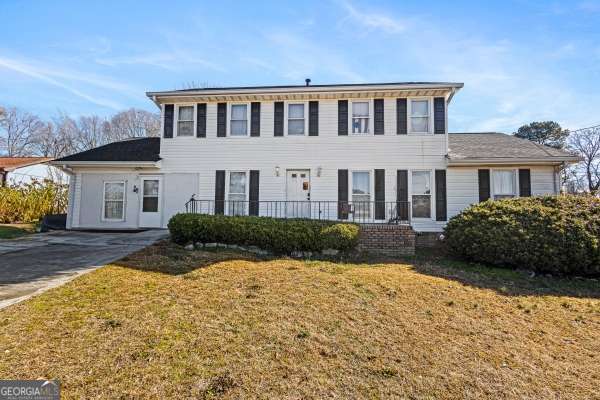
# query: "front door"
(150, 207)
(298, 193)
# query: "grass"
(11, 231)
(168, 323)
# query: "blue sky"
(519, 60)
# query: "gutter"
(69, 164)
(513, 161)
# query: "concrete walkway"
(35, 263)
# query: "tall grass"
(30, 202)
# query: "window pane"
(360, 183)
(185, 128)
(420, 124)
(150, 204)
(186, 113)
(420, 107)
(360, 125)
(296, 127)
(360, 109)
(113, 210)
(238, 128)
(151, 188)
(238, 112)
(504, 183)
(296, 111)
(421, 205)
(114, 191)
(421, 182)
(237, 183)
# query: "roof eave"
(155, 164)
(513, 161)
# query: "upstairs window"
(504, 184)
(419, 116)
(421, 194)
(185, 121)
(360, 117)
(239, 120)
(296, 119)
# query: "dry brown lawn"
(166, 323)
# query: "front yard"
(168, 323)
(11, 231)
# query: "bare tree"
(586, 143)
(134, 123)
(17, 132)
(92, 131)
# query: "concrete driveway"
(32, 264)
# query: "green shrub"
(30, 202)
(281, 236)
(551, 234)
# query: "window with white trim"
(237, 193)
(361, 194)
(360, 117)
(419, 116)
(421, 194)
(239, 120)
(504, 184)
(185, 121)
(114, 201)
(296, 119)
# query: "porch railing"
(390, 212)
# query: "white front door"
(150, 207)
(298, 193)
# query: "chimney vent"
(307, 80)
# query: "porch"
(362, 212)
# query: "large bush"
(30, 202)
(552, 234)
(281, 236)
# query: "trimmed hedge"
(281, 236)
(551, 234)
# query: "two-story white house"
(376, 153)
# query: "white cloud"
(372, 20)
(171, 61)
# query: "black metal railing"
(390, 212)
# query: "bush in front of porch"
(551, 234)
(281, 236)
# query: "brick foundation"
(390, 240)
(427, 239)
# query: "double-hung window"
(504, 184)
(185, 121)
(361, 194)
(239, 120)
(360, 117)
(237, 193)
(421, 194)
(419, 116)
(114, 201)
(295, 119)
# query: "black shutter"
(255, 119)
(402, 194)
(201, 120)
(343, 194)
(168, 123)
(440, 195)
(253, 194)
(378, 120)
(439, 115)
(313, 118)
(379, 194)
(278, 118)
(484, 184)
(342, 117)
(401, 117)
(221, 119)
(524, 183)
(220, 192)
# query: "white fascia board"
(155, 164)
(513, 161)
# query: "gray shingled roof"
(466, 146)
(138, 149)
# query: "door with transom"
(150, 207)
(298, 193)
